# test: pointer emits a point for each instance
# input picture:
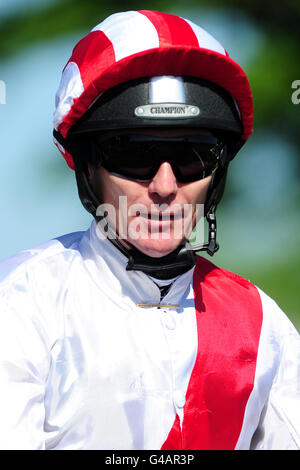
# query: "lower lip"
(165, 218)
(161, 222)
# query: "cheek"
(104, 187)
(110, 188)
(204, 191)
(195, 193)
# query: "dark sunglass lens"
(199, 162)
(139, 157)
(129, 170)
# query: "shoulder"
(32, 282)
(208, 272)
(38, 258)
(276, 320)
(236, 291)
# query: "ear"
(90, 172)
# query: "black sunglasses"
(138, 157)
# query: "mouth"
(171, 216)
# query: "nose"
(163, 186)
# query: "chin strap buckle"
(212, 246)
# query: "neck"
(166, 267)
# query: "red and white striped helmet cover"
(136, 44)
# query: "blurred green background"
(258, 220)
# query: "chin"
(157, 248)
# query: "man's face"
(154, 216)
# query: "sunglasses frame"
(196, 139)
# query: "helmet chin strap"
(166, 267)
(179, 261)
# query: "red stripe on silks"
(229, 318)
(174, 439)
(171, 29)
